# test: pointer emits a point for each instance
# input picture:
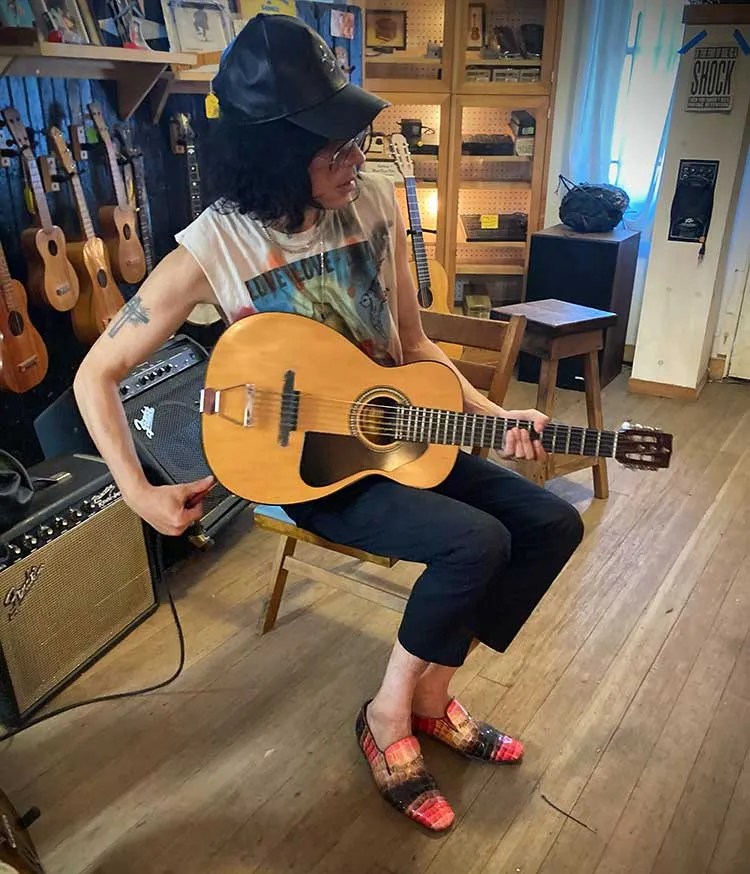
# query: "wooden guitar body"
(23, 355)
(322, 454)
(125, 251)
(100, 299)
(52, 281)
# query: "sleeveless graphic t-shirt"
(340, 272)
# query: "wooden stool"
(555, 330)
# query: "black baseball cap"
(279, 67)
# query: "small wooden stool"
(555, 330)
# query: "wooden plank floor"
(630, 686)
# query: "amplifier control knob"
(45, 531)
(60, 522)
(124, 389)
(30, 541)
(76, 515)
(14, 549)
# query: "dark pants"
(493, 543)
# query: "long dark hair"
(261, 170)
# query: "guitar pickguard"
(329, 458)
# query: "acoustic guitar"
(429, 275)
(292, 410)
(17, 850)
(100, 299)
(119, 222)
(51, 280)
(23, 355)
(134, 158)
(202, 313)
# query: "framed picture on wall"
(62, 21)
(475, 36)
(197, 25)
(385, 29)
(16, 13)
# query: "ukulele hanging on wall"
(52, 281)
(119, 222)
(134, 158)
(100, 299)
(23, 355)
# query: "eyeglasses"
(342, 155)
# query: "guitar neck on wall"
(23, 355)
(100, 299)
(134, 156)
(52, 281)
(203, 313)
(119, 222)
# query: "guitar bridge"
(209, 404)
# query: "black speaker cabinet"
(595, 270)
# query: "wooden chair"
(501, 337)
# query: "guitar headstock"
(128, 147)
(99, 123)
(16, 127)
(401, 155)
(63, 152)
(643, 448)
(184, 127)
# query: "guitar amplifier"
(160, 397)
(76, 576)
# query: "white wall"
(680, 301)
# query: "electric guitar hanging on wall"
(119, 222)
(23, 355)
(202, 313)
(134, 157)
(320, 414)
(51, 281)
(100, 299)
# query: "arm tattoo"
(133, 312)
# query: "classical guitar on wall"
(429, 274)
(203, 313)
(51, 280)
(134, 165)
(23, 355)
(119, 224)
(100, 299)
(320, 414)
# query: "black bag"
(17, 489)
(590, 208)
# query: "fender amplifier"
(75, 577)
(161, 398)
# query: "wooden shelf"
(491, 244)
(135, 70)
(189, 81)
(491, 185)
(516, 159)
(501, 62)
(473, 269)
(404, 59)
(421, 183)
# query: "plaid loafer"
(402, 779)
(476, 740)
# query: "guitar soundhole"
(52, 248)
(376, 420)
(15, 323)
(101, 278)
(127, 232)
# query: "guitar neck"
(417, 236)
(35, 180)
(6, 283)
(144, 211)
(424, 425)
(114, 168)
(83, 210)
(194, 181)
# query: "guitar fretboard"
(194, 181)
(114, 167)
(83, 210)
(35, 180)
(6, 284)
(424, 425)
(144, 211)
(417, 237)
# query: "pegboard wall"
(477, 169)
(487, 120)
(424, 22)
(389, 120)
(493, 200)
(514, 13)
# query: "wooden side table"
(556, 330)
